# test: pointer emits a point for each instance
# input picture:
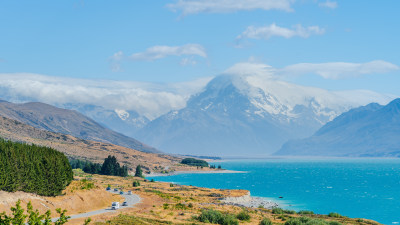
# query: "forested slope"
(33, 169)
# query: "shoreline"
(192, 172)
(242, 201)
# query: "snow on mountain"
(122, 114)
(249, 114)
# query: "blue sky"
(183, 40)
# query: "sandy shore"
(191, 172)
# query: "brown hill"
(68, 122)
(83, 149)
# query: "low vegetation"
(310, 221)
(33, 216)
(217, 217)
(35, 169)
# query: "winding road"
(130, 199)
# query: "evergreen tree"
(32, 168)
(139, 172)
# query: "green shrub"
(180, 206)
(309, 221)
(243, 215)
(216, 217)
(265, 221)
(277, 210)
(136, 183)
(334, 214)
(306, 212)
(165, 205)
(289, 211)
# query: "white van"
(115, 206)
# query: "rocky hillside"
(68, 122)
(82, 149)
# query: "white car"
(115, 206)
(129, 192)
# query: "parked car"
(115, 205)
(125, 204)
(129, 192)
(108, 188)
(121, 192)
(115, 189)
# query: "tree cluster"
(33, 169)
(86, 166)
(214, 167)
(194, 162)
(109, 167)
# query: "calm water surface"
(361, 188)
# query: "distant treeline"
(109, 167)
(33, 169)
(194, 162)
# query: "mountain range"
(233, 114)
(68, 122)
(372, 130)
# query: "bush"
(243, 215)
(334, 214)
(265, 221)
(289, 211)
(180, 206)
(136, 183)
(33, 216)
(306, 212)
(216, 217)
(277, 211)
(309, 221)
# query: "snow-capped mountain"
(245, 111)
(127, 122)
(249, 115)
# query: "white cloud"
(328, 4)
(162, 51)
(266, 32)
(339, 70)
(148, 99)
(223, 6)
(330, 70)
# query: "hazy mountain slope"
(372, 130)
(247, 115)
(70, 122)
(79, 148)
(127, 122)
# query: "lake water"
(358, 188)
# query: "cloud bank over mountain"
(155, 99)
(148, 99)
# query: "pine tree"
(139, 172)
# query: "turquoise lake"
(359, 188)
